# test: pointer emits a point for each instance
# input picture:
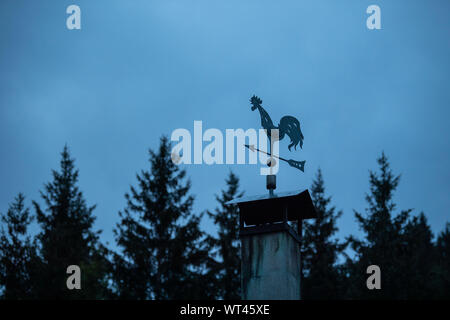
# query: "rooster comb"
(255, 101)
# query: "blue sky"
(138, 69)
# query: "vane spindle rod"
(271, 182)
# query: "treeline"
(162, 253)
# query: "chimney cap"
(290, 206)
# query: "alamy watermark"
(225, 148)
(374, 281)
(73, 21)
(74, 280)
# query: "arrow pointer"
(300, 165)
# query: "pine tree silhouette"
(443, 263)
(67, 238)
(383, 238)
(163, 252)
(320, 251)
(227, 245)
(18, 253)
(418, 261)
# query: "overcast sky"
(139, 69)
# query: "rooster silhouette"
(288, 125)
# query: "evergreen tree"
(227, 245)
(18, 255)
(320, 251)
(443, 263)
(163, 252)
(418, 261)
(67, 238)
(383, 244)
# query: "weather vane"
(289, 126)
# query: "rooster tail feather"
(291, 126)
